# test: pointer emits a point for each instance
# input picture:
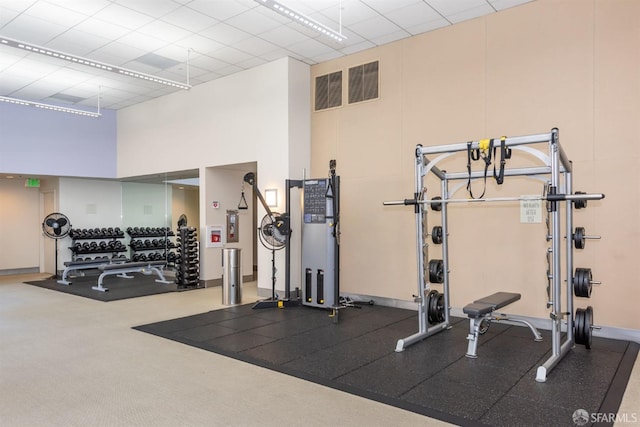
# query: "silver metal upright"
(420, 209)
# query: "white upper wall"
(259, 115)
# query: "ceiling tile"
(385, 6)
(374, 27)
(82, 6)
(219, 37)
(230, 55)
(505, 4)
(389, 38)
(218, 9)
(309, 48)
(117, 53)
(54, 13)
(467, 14)
(122, 16)
(155, 8)
(33, 30)
(255, 46)
(142, 41)
(253, 22)
(189, 19)
(412, 15)
(355, 11)
(77, 42)
(164, 31)
(101, 28)
(283, 36)
(199, 43)
(225, 33)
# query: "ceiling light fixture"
(303, 19)
(89, 62)
(26, 103)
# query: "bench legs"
(479, 325)
(123, 273)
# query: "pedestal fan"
(56, 226)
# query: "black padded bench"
(121, 270)
(480, 313)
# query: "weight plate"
(578, 238)
(440, 308)
(436, 206)
(587, 331)
(580, 204)
(436, 234)
(582, 282)
(578, 325)
(436, 271)
(431, 300)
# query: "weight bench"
(480, 313)
(121, 270)
(82, 265)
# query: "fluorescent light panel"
(302, 19)
(26, 103)
(89, 62)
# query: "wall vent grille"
(363, 82)
(328, 91)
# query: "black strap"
(486, 156)
(505, 153)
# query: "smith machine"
(556, 173)
(320, 238)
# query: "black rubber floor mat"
(119, 288)
(432, 377)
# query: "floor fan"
(56, 226)
(272, 234)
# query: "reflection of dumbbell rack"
(151, 244)
(102, 242)
(187, 263)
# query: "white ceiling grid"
(201, 39)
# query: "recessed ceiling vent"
(363, 82)
(328, 91)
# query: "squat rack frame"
(556, 172)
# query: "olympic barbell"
(577, 197)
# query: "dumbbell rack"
(103, 241)
(151, 244)
(187, 262)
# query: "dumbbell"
(102, 245)
(579, 238)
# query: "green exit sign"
(32, 182)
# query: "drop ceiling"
(193, 41)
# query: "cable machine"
(556, 173)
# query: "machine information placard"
(530, 210)
(315, 202)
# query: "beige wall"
(571, 64)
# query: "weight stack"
(187, 262)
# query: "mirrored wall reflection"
(152, 208)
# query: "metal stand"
(555, 172)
